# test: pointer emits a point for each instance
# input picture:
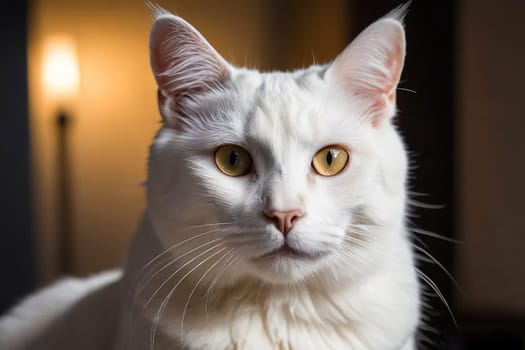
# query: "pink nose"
(284, 220)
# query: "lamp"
(60, 69)
(60, 78)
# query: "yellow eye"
(233, 160)
(330, 160)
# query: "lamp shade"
(60, 74)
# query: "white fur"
(70, 314)
(193, 278)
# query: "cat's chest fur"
(373, 314)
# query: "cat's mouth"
(287, 252)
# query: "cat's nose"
(284, 220)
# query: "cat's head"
(283, 176)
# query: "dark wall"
(16, 239)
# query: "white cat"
(275, 216)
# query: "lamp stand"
(65, 245)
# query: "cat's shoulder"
(39, 313)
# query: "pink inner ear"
(158, 56)
(184, 64)
(370, 67)
(182, 59)
(395, 64)
(387, 95)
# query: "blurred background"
(73, 150)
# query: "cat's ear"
(184, 64)
(370, 67)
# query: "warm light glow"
(60, 69)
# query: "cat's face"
(283, 174)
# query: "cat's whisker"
(357, 240)
(434, 235)
(435, 288)
(171, 262)
(212, 224)
(179, 269)
(168, 297)
(366, 222)
(365, 226)
(231, 259)
(420, 204)
(420, 241)
(348, 243)
(422, 258)
(177, 245)
(405, 89)
(140, 284)
(195, 288)
(348, 259)
(435, 261)
(417, 194)
(166, 251)
(357, 230)
(351, 233)
(349, 253)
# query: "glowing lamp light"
(60, 69)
